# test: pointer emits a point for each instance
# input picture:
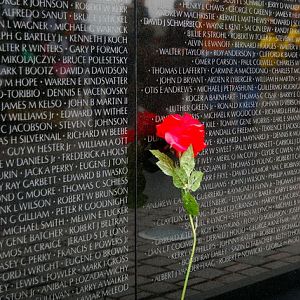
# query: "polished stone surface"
(85, 213)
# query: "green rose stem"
(188, 180)
(187, 275)
(188, 271)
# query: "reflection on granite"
(66, 219)
(84, 212)
(229, 66)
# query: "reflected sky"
(155, 6)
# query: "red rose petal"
(182, 131)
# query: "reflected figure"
(139, 157)
(143, 49)
(176, 36)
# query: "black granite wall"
(85, 213)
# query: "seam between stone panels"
(136, 125)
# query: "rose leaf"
(187, 161)
(162, 157)
(190, 204)
(165, 163)
(166, 168)
(180, 178)
(195, 180)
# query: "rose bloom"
(181, 132)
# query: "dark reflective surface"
(67, 213)
(235, 66)
(76, 189)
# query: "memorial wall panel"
(85, 213)
(67, 229)
(234, 65)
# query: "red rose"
(181, 132)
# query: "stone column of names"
(63, 166)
